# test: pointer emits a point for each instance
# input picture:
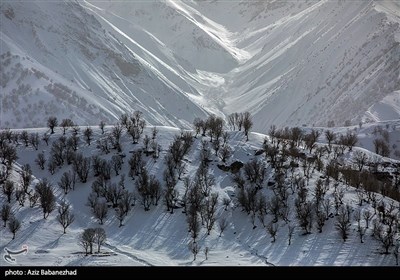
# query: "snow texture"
(157, 237)
(290, 63)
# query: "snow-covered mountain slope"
(157, 237)
(288, 63)
(386, 109)
(331, 60)
(58, 60)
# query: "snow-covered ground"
(385, 110)
(367, 133)
(157, 237)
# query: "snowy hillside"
(385, 110)
(289, 63)
(242, 232)
(58, 59)
(318, 61)
(368, 134)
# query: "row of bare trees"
(213, 126)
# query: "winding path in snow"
(127, 254)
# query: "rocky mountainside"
(289, 63)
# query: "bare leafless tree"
(155, 190)
(367, 217)
(222, 223)
(215, 127)
(26, 177)
(65, 124)
(8, 155)
(330, 137)
(194, 247)
(143, 189)
(100, 237)
(51, 166)
(193, 222)
(255, 172)
(381, 147)
(386, 237)
(273, 205)
(247, 124)
(87, 239)
(360, 192)
(311, 139)
(181, 169)
(75, 130)
(14, 225)
(65, 182)
(343, 223)
(116, 134)
(304, 215)
(232, 121)
(210, 211)
(360, 159)
(272, 229)
(46, 138)
(290, 232)
(319, 192)
(357, 217)
(41, 160)
(225, 152)
(135, 163)
(226, 201)
(33, 199)
(101, 126)
(105, 169)
(349, 140)
(34, 140)
(52, 123)
(124, 206)
(113, 194)
(100, 211)
(92, 200)
(134, 132)
(146, 144)
(321, 218)
(88, 133)
(81, 166)
(239, 121)
(103, 145)
(206, 251)
(6, 213)
(198, 125)
(396, 252)
(47, 197)
(20, 196)
(205, 179)
(116, 162)
(72, 147)
(65, 216)
(361, 232)
(8, 189)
